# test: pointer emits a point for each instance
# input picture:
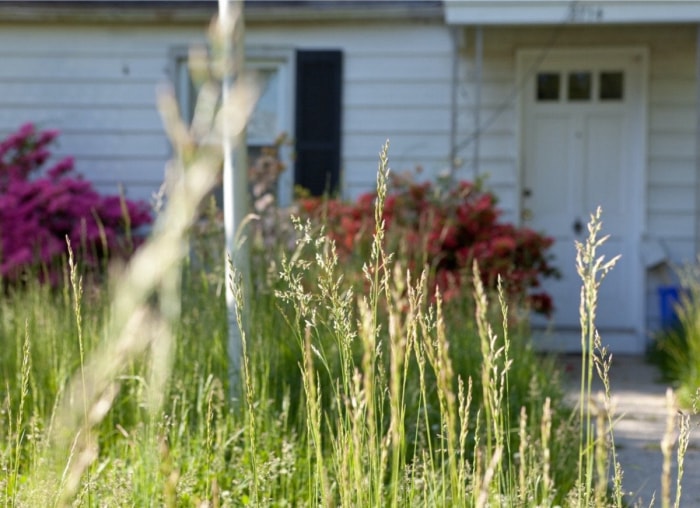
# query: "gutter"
(551, 12)
(99, 11)
(338, 10)
(202, 11)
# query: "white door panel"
(578, 141)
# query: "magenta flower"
(36, 215)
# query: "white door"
(582, 142)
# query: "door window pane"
(579, 86)
(547, 86)
(263, 124)
(612, 85)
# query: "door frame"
(528, 60)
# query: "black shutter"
(319, 77)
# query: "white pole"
(235, 185)
(479, 61)
(697, 138)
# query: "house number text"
(580, 12)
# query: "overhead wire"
(508, 102)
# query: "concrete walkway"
(639, 399)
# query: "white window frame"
(280, 60)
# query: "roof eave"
(72, 13)
(550, 12)
(364, 10)
(168, 11)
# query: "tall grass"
(593, 452)
(350, 399)
(677, 349)
(116, 394)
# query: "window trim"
(283, 59)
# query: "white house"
(563, 105)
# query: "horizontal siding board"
(79, 120)
(354, 190)
(371, 39)
(137, 190)
(672, 91)
(671, 118)
(682, 251)
(680, 171)
(507, 196)
(497, 145)
(70, 94)
(124, 169)
(81, 40)
(88, 67)
(675, 198)
(390, 121)
(377, 67)
(491, 120)
(424, 145)
(138, 177)
(361, 170)
(496, 172)
(678, 226)
(674, 145)
(495, 67)
(99, 145)
(501, 94)
(363, 167)
(412, 94)
(670, 63)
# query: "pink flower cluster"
(449, 229)
(37, 214)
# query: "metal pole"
(454, 118)
(697, 140)
(235, 185)
(478, 61)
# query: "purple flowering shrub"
(39, 209)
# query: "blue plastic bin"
(668, 298)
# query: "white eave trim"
(200, 11)
(545, 12)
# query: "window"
(611, 86)
(271, 117)
(318, 120)
(548, 86)
(579, 86)
(313, 91)
(264, 125)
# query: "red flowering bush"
(448, 228)
(37, 214)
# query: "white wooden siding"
(672, 197)
(97, 86)
(396, 86)
(672, 131)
